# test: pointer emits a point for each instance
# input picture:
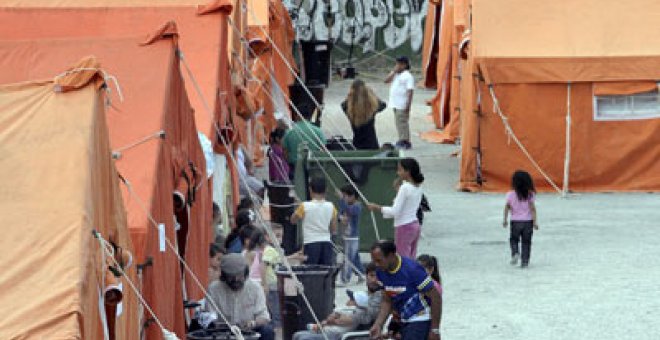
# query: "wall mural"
(372, 25)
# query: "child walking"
(349, 214)
(319, 223)
(520, 203)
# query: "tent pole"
(567, 156)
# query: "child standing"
(520, 203)
(349, 214)
(319, 223)
(271, 260)
(430, 264)
(404, 210)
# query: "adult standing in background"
(401, 94)
(361, 106)
(302, 131)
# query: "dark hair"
(404, 60)
(246, 232)
(241, 232)
(257, 238)
(245, 203)
(317, 185)
(411, 165)
(243, 217)
(387, 247)
(370, 268)
(215, 249)
(276, 134)
(348, 190)
(522, 183)
(429, 261)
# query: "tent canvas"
(57, 143)
(209, 58)
(530, 69)
(154, 100)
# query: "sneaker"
(514, 259)
(407, 145)
(524, 265)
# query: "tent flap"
(624, 88)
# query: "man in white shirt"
(401, 94)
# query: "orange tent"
(207, 59)
(272, 29)
(445, 32)
(215, 60)
(574, 98)
(430, 46)
(271, 38)
(55, 140)
(155, 104)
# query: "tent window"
(627, 107)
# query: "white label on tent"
(161, 237)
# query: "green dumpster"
(373, 172)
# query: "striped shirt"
(406, 285)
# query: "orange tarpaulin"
(623, 88)
(207, 59)
(529, 54)
(210, 58)
(154, 100)
(443, 44)
(430, 46)
(58, 183)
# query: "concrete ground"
(595, 266)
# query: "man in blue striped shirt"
(409, 295)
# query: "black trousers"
(521, 230)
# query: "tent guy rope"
(512, 135)
(321, 144)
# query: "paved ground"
(595, 267)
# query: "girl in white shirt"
(404, 209)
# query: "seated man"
(241, 300)
(341, 322)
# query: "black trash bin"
(302, 101)
(316, 54)
(219, 332)
(282, 206)
(319, 287)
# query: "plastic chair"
(365, 334)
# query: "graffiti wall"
(390, 26)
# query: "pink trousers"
(406, 237)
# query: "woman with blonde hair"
(361, 106)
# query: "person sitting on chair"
(241, 300)
(367, 306)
